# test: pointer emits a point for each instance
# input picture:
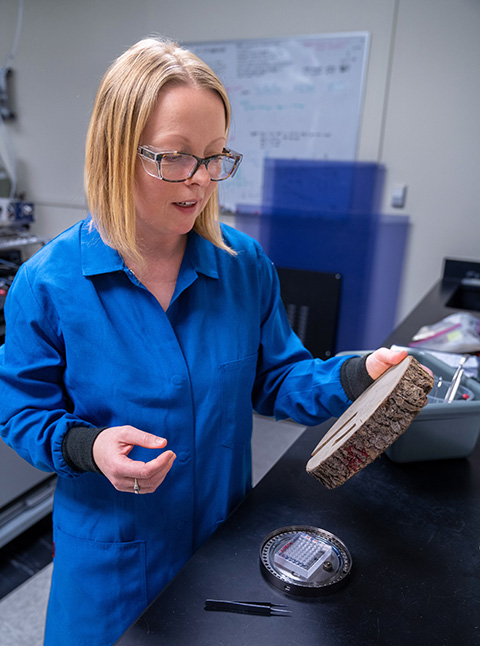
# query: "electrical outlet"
(399, 196)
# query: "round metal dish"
(328, 577)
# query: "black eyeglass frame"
(156, 157)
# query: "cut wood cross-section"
(371, 424)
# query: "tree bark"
(371, 424)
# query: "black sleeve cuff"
(354, 377)
(77, 448)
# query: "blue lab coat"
(88, 345)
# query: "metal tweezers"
(456, 379)
(247, 607)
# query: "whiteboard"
(292, 98)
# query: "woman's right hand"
(110, 452)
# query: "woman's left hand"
(382, 359)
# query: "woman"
(147, 323)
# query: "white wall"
(420, 114)
(432, 134)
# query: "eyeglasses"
(178, 167)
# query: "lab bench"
(413, 534)
(412, 530)
(457, 290)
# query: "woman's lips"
(187, 208)
(185, 204)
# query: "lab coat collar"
(99, 258)
(202, 255)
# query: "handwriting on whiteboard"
(296, 98)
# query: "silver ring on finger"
(136, 488)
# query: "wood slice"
(371, 424)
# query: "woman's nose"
(201, 176)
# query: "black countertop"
(413, 531)
(414, 535)
(443, 299)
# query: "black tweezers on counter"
(248, 607)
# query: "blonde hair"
(125, 99)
